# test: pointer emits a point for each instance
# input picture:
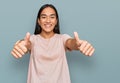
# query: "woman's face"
(47, 20)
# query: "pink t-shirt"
(48, 62)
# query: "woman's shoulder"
(33, 37)
(62, 35)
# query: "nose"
(48, 19)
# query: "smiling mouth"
(48, 25)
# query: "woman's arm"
(83, 46)
(21, 47)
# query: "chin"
(48, 31)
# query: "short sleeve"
(65, 37)
(32, 38)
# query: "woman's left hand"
(84, 46)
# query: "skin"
(47, 21)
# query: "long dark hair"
(38, 28)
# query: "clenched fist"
(21, 46)
(85, 47)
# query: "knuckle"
(25, 49)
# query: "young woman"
(47, 47)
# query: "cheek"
(55, 22)
(41, 23)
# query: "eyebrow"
(46, 15)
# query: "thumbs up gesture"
(21, 46)
(83, 46)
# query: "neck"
(47, 35)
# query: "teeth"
(47, 25)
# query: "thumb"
(76, 37)
(27, 38)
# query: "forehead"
(48, 11)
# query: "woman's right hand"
(21, 47)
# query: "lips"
(47, 25)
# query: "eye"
(52, 16)
(43, 17)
